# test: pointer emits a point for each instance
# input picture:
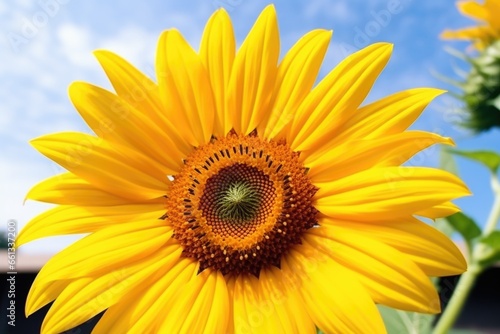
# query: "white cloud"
(136, 45)
(3, 8)
(337, 10)
(74, 43)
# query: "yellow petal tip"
(75, 87)
(447, 34)
(268, 11)
(386, 45)
(440, 91)
(100, 52)
(270, 7)
(221, 10)
(328, 33)
(449, 141)
(431, 92)
(102, 55)
(29, 308)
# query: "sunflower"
(233, 196)
(484, 34)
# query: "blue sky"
(47, 44)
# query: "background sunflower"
(487, 29)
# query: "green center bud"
(238, 202)
(481, 90)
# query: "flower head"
(481, 90)
(233, 196)
(485, 33)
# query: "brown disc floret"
(239, 203)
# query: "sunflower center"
(240, 203)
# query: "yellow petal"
(68, 188)
(334, 298)
(160, 295)
(389, 276)
(279, 288)
(143, 303)
(493, 8)
(230, 282)
(142, 94)
(77, 219)
(185, 87)
(336, 97)
(253, 311)
(473, 9)
(114, 120)
(356, 156)
(431, 250)
(439, 211)
(480, 32)
(489, 28)
(118, 170)
(240, 314)
(296, 76)
(387, 193)
(102, 251)
(254, 72)
(45, 296)
(201, 306)
(88, 296)
(217, 51)
(390, 115)
(218, 318)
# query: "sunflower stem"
(468, 279)
(457, 301)
(494, 216)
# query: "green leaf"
(447, 162)
(489, 159)
(397, 321)
(446, 79)
(466, 226)
(491, 252)
(444, 226)
(456, 53)
(496, 102)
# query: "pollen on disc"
(243, 202)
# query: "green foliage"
(489, 159)
(491, 249)
(466, 226)
(446, 162)
(444, 226)
(397, 321)
(481, 90)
